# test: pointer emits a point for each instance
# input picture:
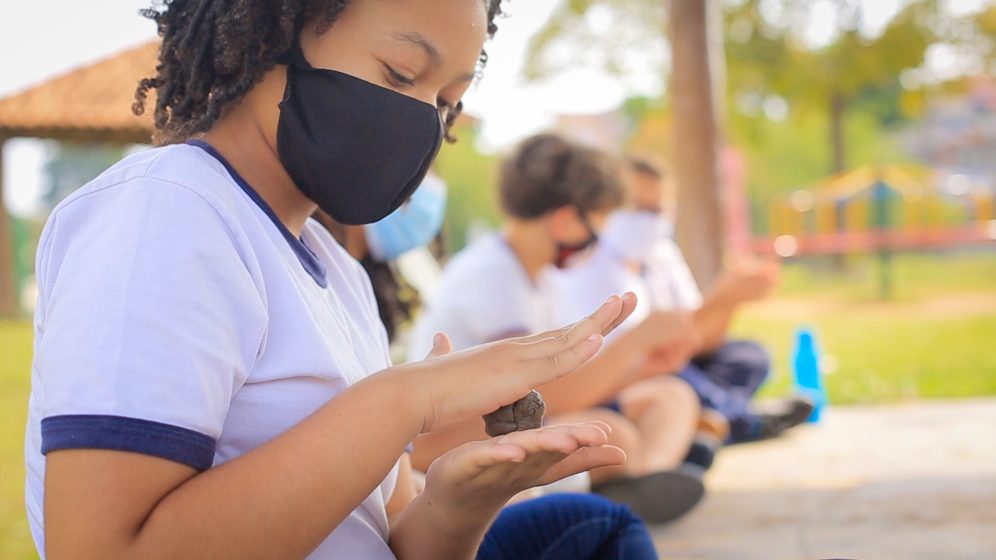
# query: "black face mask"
(567, 250)
(355, 149)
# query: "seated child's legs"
(666, 412)
(654, 489)
(567, 526)
(740, 365)
(732, 404)
(726, 381)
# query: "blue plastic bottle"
(808, 380)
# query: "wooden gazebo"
(89, 104)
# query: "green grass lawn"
(15, 364)
(880, 357)
(936, 338)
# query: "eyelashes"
(397, 79)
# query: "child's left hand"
(483, 475)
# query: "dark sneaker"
(794, 411)
(701, 453)
(658, 497)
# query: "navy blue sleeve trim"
(86, 431)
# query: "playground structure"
(881, 209)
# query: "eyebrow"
(417, 39)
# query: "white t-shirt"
(484, 295)
(669, 279)
(633, 254)
(177, 318)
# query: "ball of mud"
(524, 414)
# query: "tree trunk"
(8, 284)
(837, 103)
(697, 91)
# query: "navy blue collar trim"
(309, 260)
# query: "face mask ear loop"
(294, 56)
(592, 235)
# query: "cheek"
(571, 232)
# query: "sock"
(703, 451)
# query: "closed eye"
(397, 79)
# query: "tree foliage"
(470, 176)
(773, 59)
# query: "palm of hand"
(485, 473)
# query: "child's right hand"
(456, 386)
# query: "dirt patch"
(915, 481)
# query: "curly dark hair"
(214, 51)
(547, 172)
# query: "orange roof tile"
(89, 103)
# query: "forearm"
(424, 530)
(711, 322)
(283, 498)
(599, 380)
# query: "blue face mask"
(411, 226)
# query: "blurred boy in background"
(556, 196)
(636, 248)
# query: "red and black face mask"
(567, 250)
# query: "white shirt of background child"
(634, 254)
(484, 295)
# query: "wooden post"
(697, 93)
(837, 133)
(8, 284)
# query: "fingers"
(441, 345)
(601, 320)
(584, 459)
(553, 342)
(555, 357)
(563, 438)
(544, 369)
(481, 455)
(541, 440)
(518, 446)
(629, 302)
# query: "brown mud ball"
(524, 414)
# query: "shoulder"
(170, 174)
(169, 200)
(486, 261)
(174, 186)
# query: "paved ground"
(910, 482)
